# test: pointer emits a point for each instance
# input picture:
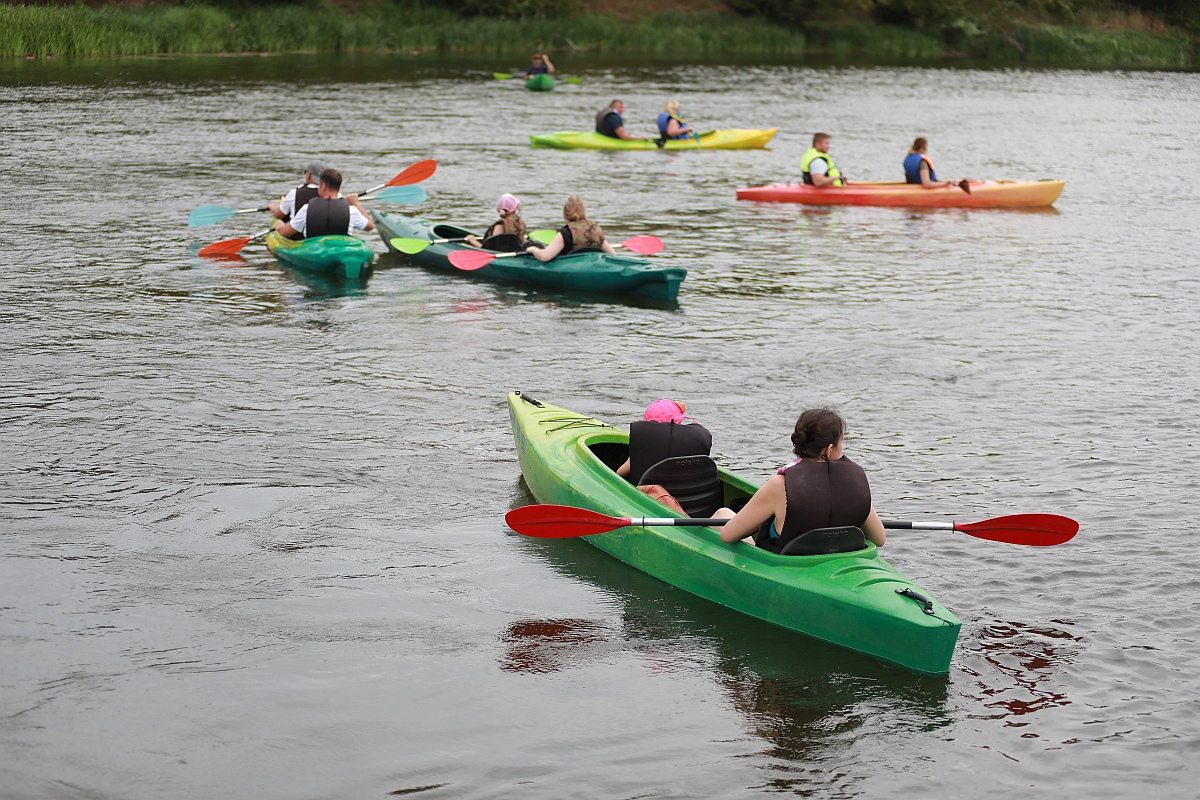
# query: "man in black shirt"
(609, 121)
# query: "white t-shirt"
(357, 221)
(288, 202)
(818, 166)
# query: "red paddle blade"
(644, 245)
(1038, 530)
(560, 522)
(471, 259)
(228, 247)
(418, 172)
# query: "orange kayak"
(984, 194)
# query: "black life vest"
(604, 126)
(327, 217)
(823, 494)
(651, 442)
(304, 194)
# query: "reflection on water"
(1032, 659)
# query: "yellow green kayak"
(729, 139)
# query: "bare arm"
(822, 181)
(925, 180)
(546, 61)
(274, 209)
(285, 229)
(623, 470)
(548, 252)
(674, 128)
(608, 248)
(760, 509)
(873, 528)
(623, 134)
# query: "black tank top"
(824, 494)
(651, 442)
(327, 216)
(303, 195)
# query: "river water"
(252, 538)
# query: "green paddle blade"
(410, 246)
(542, 235)
(401, 194)
(573, 80)
(501, 76)
(207, 215)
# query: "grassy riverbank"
(71, 31)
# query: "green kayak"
(540, 83)
(847, 599)
(346, 256)
(587, 271)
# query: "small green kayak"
(847, 599)
(540, 83)
(725, 139)
(346, 256)
(587, 271)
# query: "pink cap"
(507, 204)
(663, 411)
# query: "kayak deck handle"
(532, 401)
(925, 602)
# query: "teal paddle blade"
(401, 194)
(207, 215)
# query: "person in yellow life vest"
(817, 165)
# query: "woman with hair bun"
(820, 489)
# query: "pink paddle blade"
(422, 170)
(471, 259)
(560, 522)
(1038, 530)
(644, 245)
(228, 247)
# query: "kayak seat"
(502, 243)
(692, 480)
(823, 541)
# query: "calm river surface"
(251, 521)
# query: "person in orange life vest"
(327, 214)
(918, 168)
(821, 489)
(662, 434)
(579, 233)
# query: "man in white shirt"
(298, 197)
(327, 214)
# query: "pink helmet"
(507, 204)
(665, 411)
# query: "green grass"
(35, 31)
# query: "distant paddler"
(510, 223)
(610, 123)
(541, 66)
(918, 168)
(297, 198)
(577, 234)
(817, 165)
(328, 213)
(670, 126)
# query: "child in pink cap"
(510, 222)
(661, 434)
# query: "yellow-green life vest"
(812, 155)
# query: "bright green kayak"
(729, 139)
(346, 256)
(589, 271)
(540, 83)
(848, 599)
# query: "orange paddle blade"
(471, 259)
(422, 170)
(644, 245)
(228, 247)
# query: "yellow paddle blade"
(410, 246)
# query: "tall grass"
(33, 31)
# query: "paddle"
(469, 260)
(965, 185)
(229, 247)
(209, 215)
(565, 522)
(413, 246)
(543, 235)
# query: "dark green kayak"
(540, 83)
(589, 271)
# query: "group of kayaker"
(579, 233)
(317, 207)
(817, 169)
(820, 489)
(610, 122)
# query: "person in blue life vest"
(328, 213)
(820, 489)
(296, 198)
(670, 126)
(817, 167)
(918, 168)
(609, 121)
(541, 66)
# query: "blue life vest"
(912, 168)
(664, 119)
